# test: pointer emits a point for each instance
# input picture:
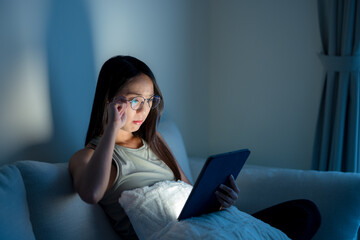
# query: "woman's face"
(139, 86)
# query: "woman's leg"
(298, 219)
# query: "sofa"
(38, 200)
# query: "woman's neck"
(128, 140)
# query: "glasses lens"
(154, 102)
(136, 103)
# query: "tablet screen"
(216, 171)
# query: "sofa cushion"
(337, 195)
(172, 136)
(56, 211)
(15, 220)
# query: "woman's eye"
(135, 101)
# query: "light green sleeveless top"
(135, 168)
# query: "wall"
(52, 52)
(233, 73)
(24, 97)
(266, 78)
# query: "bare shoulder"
(80, 159)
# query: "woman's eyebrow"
(138, 94)
(133, 93)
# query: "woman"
(123, 150)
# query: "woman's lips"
(138, 122)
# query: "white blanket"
(153, 212)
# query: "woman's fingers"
(117, 110)
(224, 200)
(228, 191)
(120, 103)
(227, 196)
(234, 185)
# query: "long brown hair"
(114, 75)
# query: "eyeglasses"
(137, 102)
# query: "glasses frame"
(145, 100)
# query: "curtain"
(336, 146)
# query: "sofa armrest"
(56, 210)
(336, 194)
(174, 140)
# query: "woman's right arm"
(91, 169)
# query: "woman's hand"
(117, 112)
(227, 195)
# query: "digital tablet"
(216, 171)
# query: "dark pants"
(298, 219)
